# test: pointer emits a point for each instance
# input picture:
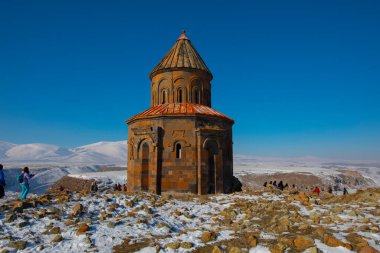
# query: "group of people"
(23, 179)
(329, 190)
(280, 185)
(119, 188)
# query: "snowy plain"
(50, 163)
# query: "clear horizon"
(299, 78)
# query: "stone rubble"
(278, 221)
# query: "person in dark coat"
(125, 188)
(345, 192)
(2, 182)
(265, 184)
(119, 187)
(94, 187)
(280, 186)
(330, 190)
(274, 183)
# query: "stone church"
(180, 143)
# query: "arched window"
(164, 97)
(179, 96)
(178, 151)
(196, 95)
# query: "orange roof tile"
(184, 109)
(181, 55)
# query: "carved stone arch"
(179, 148)
(196, 95)
(180, 90)
(209, 143)
(141, 142)
(180, 81)
(145, 163)
(196, 91)
(213, 170)
(164, 91)
(164, 96)
(193, 79)
(181, 96)
(180, 141)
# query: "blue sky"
(299, 77)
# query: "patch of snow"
(147, 250)
(373, 242)
(327, 249)
(259, 249)
(267, 236)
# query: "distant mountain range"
(52, 162)
(97, 153)
(116, 153)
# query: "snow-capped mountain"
(4, 147)
(115, 152)
(30, 152)
(97, 153)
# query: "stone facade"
(180, 144)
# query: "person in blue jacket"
(26, 177)
(2, 182)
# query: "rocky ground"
(250, 221)
(305, 181)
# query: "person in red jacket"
(316, 190)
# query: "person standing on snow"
(316, 190)
(26, 177)
(2, 182)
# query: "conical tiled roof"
(181, 55)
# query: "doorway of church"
(211, 174)
(145, 167)
(212, 150)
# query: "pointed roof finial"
(183, 36)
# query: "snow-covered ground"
(135, 222)
(166, 222)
